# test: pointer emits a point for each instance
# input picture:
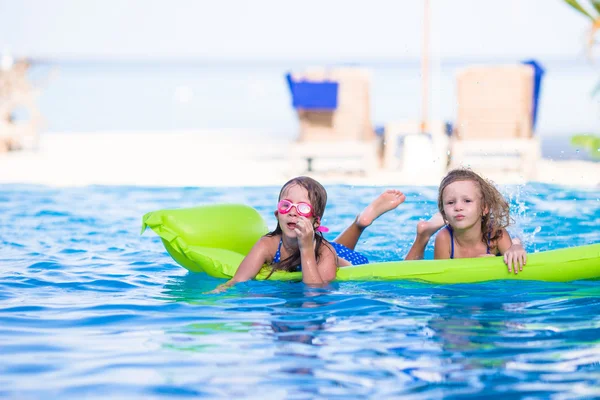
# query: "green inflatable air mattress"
(214, 239)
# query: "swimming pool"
(88, 307)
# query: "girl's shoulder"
(269, 240)
(501, 241)
(442, 244)
(269, 244)
(326, 249)
(267, 247)
(326, 243)
(443, 235)
(496, 235)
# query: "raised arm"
(314, 273)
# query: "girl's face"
(462, 204)
(295, 194)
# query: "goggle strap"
(321, 228)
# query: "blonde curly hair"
(498, 216)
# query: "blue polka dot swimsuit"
(354, 257)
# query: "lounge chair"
(335, 131)
(495, 114)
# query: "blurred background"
(157, 65)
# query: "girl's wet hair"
(498, 216)
(317, 195)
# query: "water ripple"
(88, 307)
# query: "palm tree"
(592, 11)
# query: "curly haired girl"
(476, 217)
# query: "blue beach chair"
(334, 115)
(311, 95)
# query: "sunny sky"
(287, 30)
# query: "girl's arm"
(329, 263)
(314, 273)
(320, 273)
(514, 253)
(254, 261)
(441, 249)
(250, 265)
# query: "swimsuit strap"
(451, 240)
(277, 256)
(488, 245)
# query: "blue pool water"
(89, 308)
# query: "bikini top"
(277, 256)
(452, 242)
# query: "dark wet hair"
(498, 215)
(318, 200)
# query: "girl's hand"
(305, 232)
(515, 255)
(222, 287)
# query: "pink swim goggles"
(303, 209)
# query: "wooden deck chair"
(340, 139)
(494, 125)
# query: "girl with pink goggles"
(303, 209)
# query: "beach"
(213, 158)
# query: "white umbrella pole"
(425, 69)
